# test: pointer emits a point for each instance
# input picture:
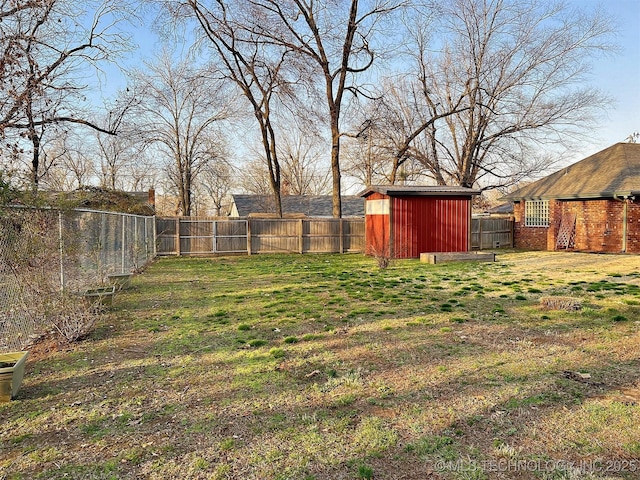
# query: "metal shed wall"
(430, 224)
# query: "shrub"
(72, 319)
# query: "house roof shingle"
(309, 205)
(614, 171)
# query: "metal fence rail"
(45, 254)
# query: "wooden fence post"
(513, 231)
(248, 236)
(178, 236)
(300, 237)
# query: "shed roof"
(310, 205)
(418, 190)
(614, 171)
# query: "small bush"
(277, 353)
(72, 319)
(365, 472)
(382, 256)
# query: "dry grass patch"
(327, 367)
(568, 304)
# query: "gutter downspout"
(625, 212)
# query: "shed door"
(430, 224)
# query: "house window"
(536, 213)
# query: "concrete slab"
(442, 257)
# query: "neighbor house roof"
(417, 190)
(503, 208)
(614, 171)
(309, 205)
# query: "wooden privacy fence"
(193, 236)
(491, 232)
(200, 236)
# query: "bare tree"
(118, 155)
(217, 180)
(377, 153)
(395, 132)
(257, 67)
(142, 173)
(509, 76)
(253, 177)
(67, 165)
(338, 38)
(302, 169)
(46, 49)
(180, 111)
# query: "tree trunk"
(335, 170)
(35, 160)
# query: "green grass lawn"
(326, 367)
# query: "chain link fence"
(48, 258)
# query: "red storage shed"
(405, 221)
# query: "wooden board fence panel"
(275, 235)
(321, 236)
(353, 233)
(231, 236)
(491, 232)
(166, 229)
(196, 236)
(192, 236)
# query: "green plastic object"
(100, 296)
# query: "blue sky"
(619, 76)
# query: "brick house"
(592, 205)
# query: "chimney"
(152, 197)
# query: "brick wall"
(527, 238)
(633, 227)
(599, 226)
